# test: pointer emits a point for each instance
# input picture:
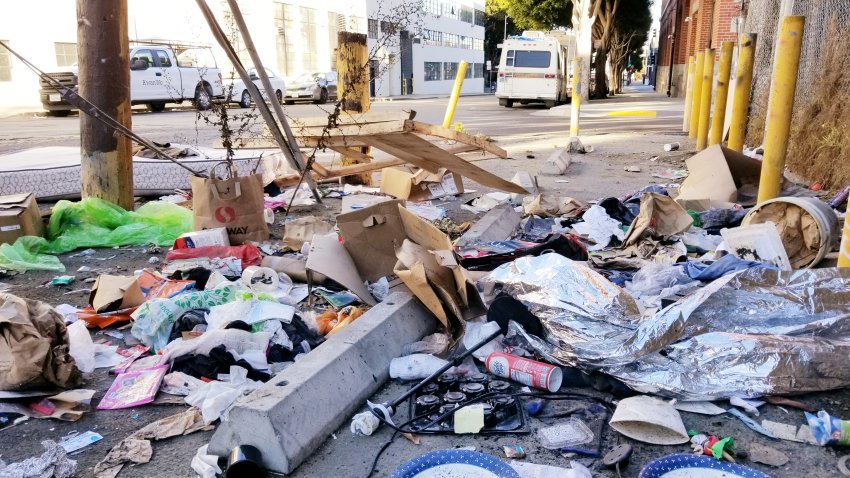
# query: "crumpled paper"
(552, 206)
(599, 227)
(137, 448)
(660, 216)
(53, 463)
(747, 334)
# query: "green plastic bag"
(94, 222)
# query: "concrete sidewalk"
(381, 99)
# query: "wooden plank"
(406, 143)
(349, 118)
(385, 127)
(440, 132)
(340, 172)
(352, 153)
(341, 141)
(408, 154)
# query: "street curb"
(292, 414)
(388, 99)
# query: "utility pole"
(104, 78)
(353, 89)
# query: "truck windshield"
(529, 58)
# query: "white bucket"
(823, 215)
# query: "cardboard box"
(371, 236)
(715, 176)
(420, 185)
(110, 293)
(19, 216)
(204, 238)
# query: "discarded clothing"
(781, 332)
(34, 346)
(537, 229)
(725, 265)
(617, 210)
(53, 463)
(218, 361)
(187, 322)
(565, 245)
(233, 340)
(716, 219)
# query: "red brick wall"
(703, 20)
(724, 12)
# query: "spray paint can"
(527, 372)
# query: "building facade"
(688, 27)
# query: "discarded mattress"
(752, 333)
(53, 172)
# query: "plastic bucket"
(823, 217)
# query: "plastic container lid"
(568, 433)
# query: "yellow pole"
(450, 111)
(689, 95)
(722, 95)
(780, 106)
(743, 84)
(693, 125)
(575, 99)
(844, 251)
(705, 98)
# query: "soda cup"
(527, 372)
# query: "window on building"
(309, 43)
(357, 25)
(373, 28)
(468, 74)
(449, 70)
(388, 27)
(478, 70)
(478, 44)
(5, 63)
(336, 24)
(466, 42)
(449, 9)
(286, 38)
(466, 14)
(450, 40)
(433, 71)
(432, 7)
(479, 18)
(66, 54)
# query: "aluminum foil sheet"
(747, 334)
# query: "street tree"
(536, 14)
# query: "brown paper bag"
(235, 204)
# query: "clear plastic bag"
(82, 347)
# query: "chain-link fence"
(826, 48)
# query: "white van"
(534, 68)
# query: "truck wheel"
(550, 104)
(157, 106)
(245, 100)
(203, 100)
(279, 96)
(323, 97)
(59, 113)
(507, 103)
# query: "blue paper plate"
(455, 464)
(697, 466)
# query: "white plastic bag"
(204, 464)
(82, 347)
(415, 367)
(478, 331)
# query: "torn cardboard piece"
(356, 202)
(68, 406)
(301, 230)
(660, 216)
(371, 236)
(551, 206)
(110, 293)
(19, 216)
(716, 175)
(329, 257)
(420, 185)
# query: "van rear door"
(530, 73)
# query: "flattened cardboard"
(356, 202)
(420, 185)
(19, 216)
(110, 293)
(329, 257)
(301, 230)
(372, 236)
(716, 174)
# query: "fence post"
(743, 84)
(722, 95)
(705, 98)
(450, 110)
(697, 96)
(781, 105)
(689, 94)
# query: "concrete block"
(527, 181)
(291, 415)
(498, 224)
(557, 163)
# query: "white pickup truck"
(157, 77)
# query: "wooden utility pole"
(104, 79)
(352, 66)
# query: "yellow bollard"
(450, 110)
(705, 98)
(781, 105)
(743, 85)
(689, 95)
(844, 251)
(693, 125)
(575, 99)
(722, 95)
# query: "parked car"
(157, 77)
(239, 94)
(316, 87)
